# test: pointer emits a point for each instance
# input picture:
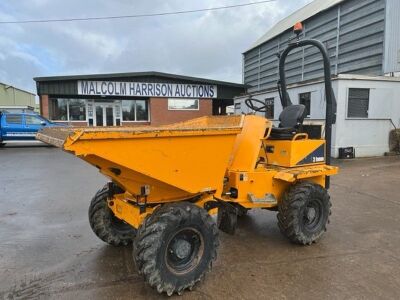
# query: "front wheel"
(304, 212)
(175, 247)
(105, 225)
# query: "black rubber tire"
(294, 219)
(105, 225)
(2, 144)
(242, 211)
(152, 247)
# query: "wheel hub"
(311, 214)
(184, 250)
(181, 249)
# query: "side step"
(268, 199)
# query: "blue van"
(21, 126)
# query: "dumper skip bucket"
(176, 161)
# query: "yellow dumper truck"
(167, 181)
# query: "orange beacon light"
(298, 28)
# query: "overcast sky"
(205, 44)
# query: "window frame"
(121, 105)
(348, 106)
(86, 110)
(309, 111)
(68, 118)
(184, 109)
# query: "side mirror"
(43, 123)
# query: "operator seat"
(291, 119)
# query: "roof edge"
(19, 89)
(321, 80)
(137, 74)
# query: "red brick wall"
(160, 115)
(44, 105)
(135, 123)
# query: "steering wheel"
(250, 103)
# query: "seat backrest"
(292, 116)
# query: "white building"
(368, 108)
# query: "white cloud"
(201, 44)
(95, 42)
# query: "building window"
(305, 99)
(135, 110)
(269, 108)
(77, 109)
(61, 109)
(183, 104)
(142, 111)
(358, 103)
(14, 119)
(58, 109)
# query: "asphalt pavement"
(48, 251)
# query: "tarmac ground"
(48, 251)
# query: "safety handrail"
(330, 114)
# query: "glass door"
(109, 116)
(104, 114)
(99, 116)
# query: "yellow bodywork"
(261, 177)
(291, 153)
(200, 160)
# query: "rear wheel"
(304, 212)
(105, 225)
(175, 247)
(2, 144)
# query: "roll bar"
(330, 113)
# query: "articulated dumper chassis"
(167, 181)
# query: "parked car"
(21, 126)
